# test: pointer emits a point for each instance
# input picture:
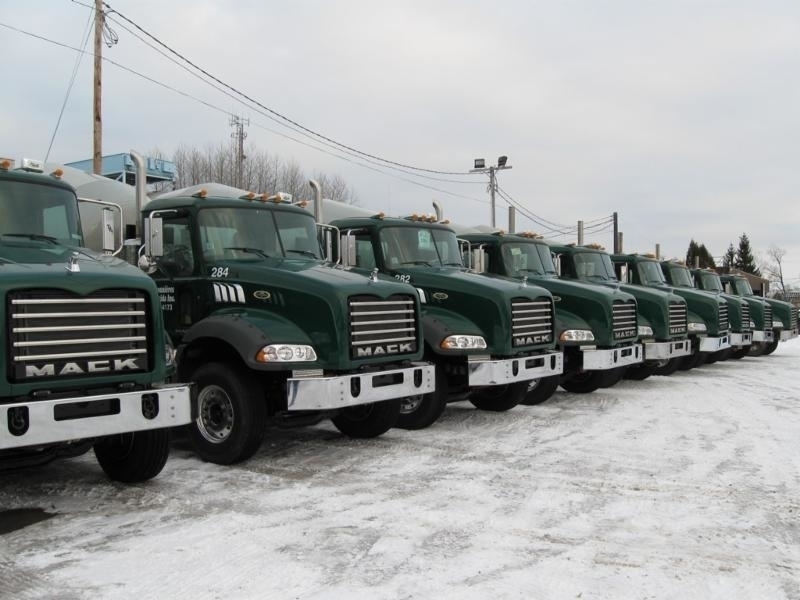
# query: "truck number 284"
(219, 271)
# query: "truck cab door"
(177, 272)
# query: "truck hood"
(35, 265)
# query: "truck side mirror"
(478, 260)
(327, 235)
(109, 235)
(154, 237)
(347, 249)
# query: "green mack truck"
(759, 312)
(784, 315)
(488, 339)
(269, 331)
(596, 327)
(85, 356)
(678, 275)
(661, 313)
(707, 317)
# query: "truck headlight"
(777, 324)
(752, 324)
(697, 327)
(286, 353)
(462, 342)
(576, 335)
(645, 331)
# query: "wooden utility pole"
(239, 135)
(97, 137)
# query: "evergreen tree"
(706, 259)
(744, 260)
(701, 252)
(692, 252)
(729, 259)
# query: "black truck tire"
(673, 364)
(499, 398)
(587, 382)
(540, 390)
(758, 348)
(232, 414)
(740, 354)
(367, 420)
(770, 347)
(421, 411)
(692, 361)
(133, 457)
(641, 371)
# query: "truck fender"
(246, 333)
(565, 319)
(438, 323)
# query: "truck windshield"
(429, 247)
(650, 272)
(710, 282)
(256, 233)
(39, 213)
(681, 277)
(526, 258)
(594, 266)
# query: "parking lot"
(673, 487)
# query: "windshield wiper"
(452, 264)
(418, 262)
(250, 250)
(303, 252)
(534, 271)
(33, 236)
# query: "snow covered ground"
(679, 487)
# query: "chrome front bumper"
(602, 360)
(763, 336)
(326, 393)
(512, 370)
(66, 419)
(787, 334)
(667, 350)
(714, 344)
(741, 339)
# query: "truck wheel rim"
(409, 404)
(216, 416)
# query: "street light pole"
(480, 167)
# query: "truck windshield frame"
(39, 213)
(681, 277)
(419, 246)
(255, 233)
(650, 272)
(594, 266)
(711, 282)
(743, 287)
(525, 258)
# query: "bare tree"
(261, 172)
(773, 268)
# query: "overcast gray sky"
(681, 116)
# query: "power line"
(229, 114)
(78, 59)
(304, 130)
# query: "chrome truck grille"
(531, 321)
(677, 318)
(723, 317)
(793, 318)
(767, 317)
(381, 327)
(624, 317)
(746, 317)
(55, 333)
